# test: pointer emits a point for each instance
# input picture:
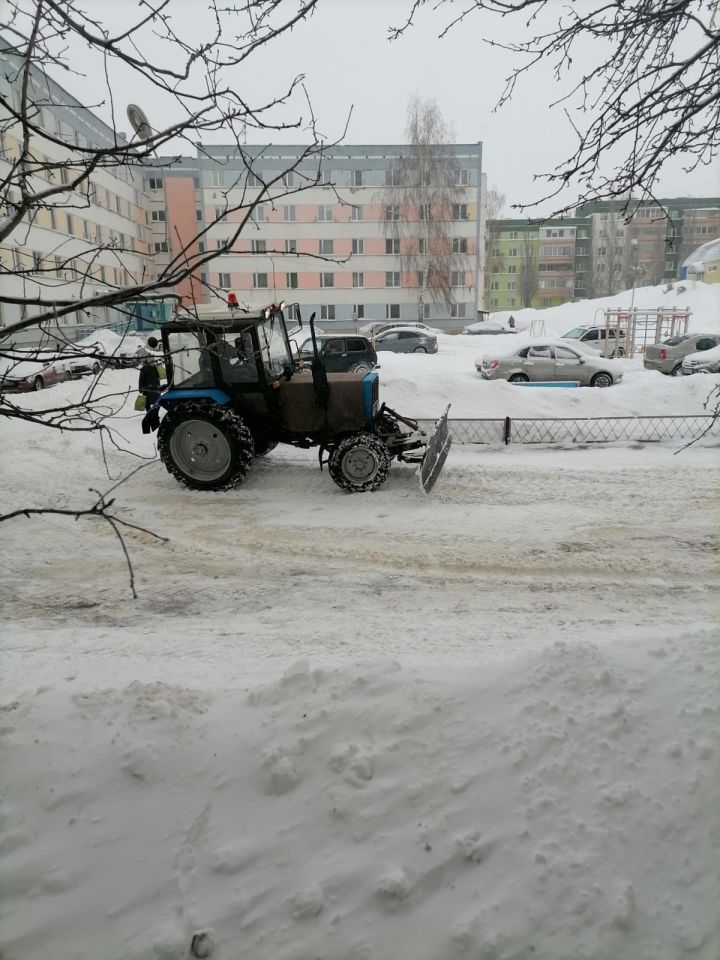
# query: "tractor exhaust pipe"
(318, 369)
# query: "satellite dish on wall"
(139, 121)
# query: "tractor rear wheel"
(205, 446)
(359, 463)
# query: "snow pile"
(560, 805)
(703, 300)
(110, 344)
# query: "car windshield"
(674, 341)
(574, 334)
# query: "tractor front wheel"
(359, 463)
(205, 447)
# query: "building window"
(512, 285)
(460, 211)
(253, 180)
(326, 248)
(459, 245)
(291, 246)
(356, 213)
(70, 223)
(260, 281)
(358, 311)
(424, 211)
(422, 245)
(392, 245)
(356, 178)
(258, 246)
(420, 278)
(196, 184)
(392, 278)
(58, 266)
(512, 252)
(457, 278)
(392, 212)
(157, 216)
(357, 246)
(358, 280)
(327, 279)
(457, 311)
(258, 214)
(289, 214)
(392, 177)
(198, 215)
(512, 268)
(327, 311)
(289, 179)
(324, 212)
(223, 279)
(161, 246)
(462, 178)
(392, 311)
(37, 260)
(495, 285)
(201, 246)
(291, 281)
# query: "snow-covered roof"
(706, 252)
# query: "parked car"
(667, 357)
(597, 338)
(351, 353)
(26, 375)
(488, 327)
(374, 329)
(706, 361)
(548, 361)
(405, 340)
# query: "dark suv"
(341, 354)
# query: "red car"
(22, 375)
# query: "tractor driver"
(237, 364)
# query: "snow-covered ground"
(482, 724)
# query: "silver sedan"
(548, 363)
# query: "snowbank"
(703, 299)
(560, 805)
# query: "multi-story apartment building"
(596, 253)
(328, 243)
(77, 242)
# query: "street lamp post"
(634, 245)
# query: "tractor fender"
(151, 420)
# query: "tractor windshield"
(190, 361)
(276, 355)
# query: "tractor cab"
(238, 353)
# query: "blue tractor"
(236, 389)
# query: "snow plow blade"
(436, 454)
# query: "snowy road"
(480, 724)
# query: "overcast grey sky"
(349, 63)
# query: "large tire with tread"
(602, 379)
(359, 463)
(205, 446)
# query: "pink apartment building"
(320, 235)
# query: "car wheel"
(601, 380)
(359, 463)
(676, 370)
(205, 446)
(518, 378)
(419, 350)
(360, 368)
(38, 383)
(96, 367)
